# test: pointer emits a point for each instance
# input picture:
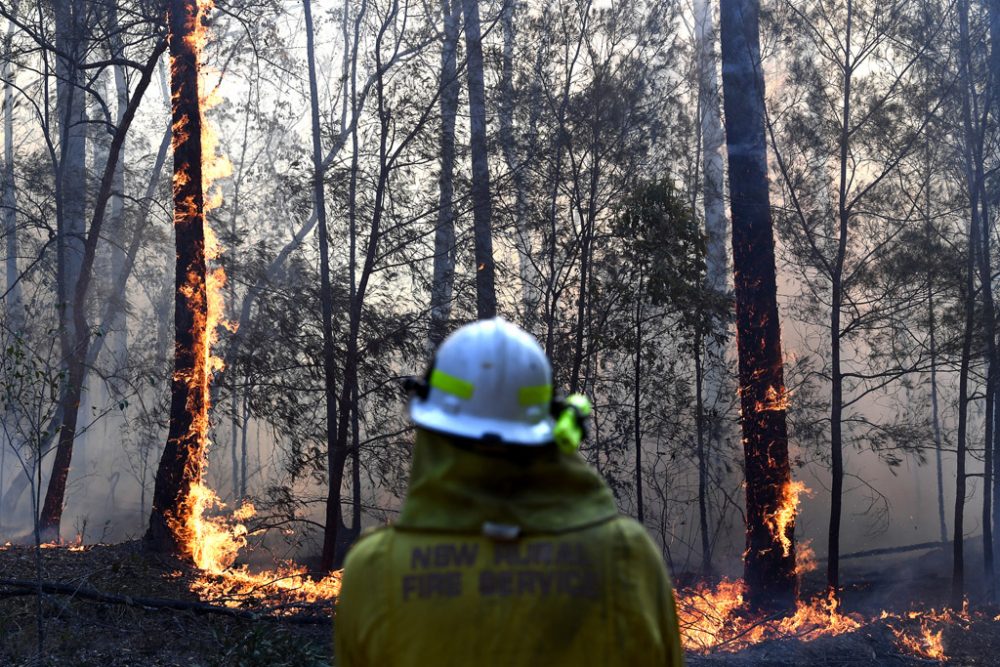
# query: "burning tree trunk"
(181, 464)
(769, 567)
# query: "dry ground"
(83, 633)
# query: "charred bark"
(181, 463)
(769, 570)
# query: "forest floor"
(84, 632)
(123, 630)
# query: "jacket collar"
(460, 486)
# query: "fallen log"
(28, 587)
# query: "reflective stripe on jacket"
(450, 584)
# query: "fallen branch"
(27, 587)
(892, 550)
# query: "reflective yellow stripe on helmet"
(450, 384)
(536, 395)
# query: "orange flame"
(716, 619)
(783, 518)
(211, 538)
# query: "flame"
(783, 519)
(926, 641)
(776, 399)
(715, 619)
(210, 536)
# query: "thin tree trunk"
(8, 198)
(326, 288)
(935, 416)
(636, 403)
(182, 460)
(444, 233)
(958, 544)
(77, 362)
(117, 326)
(769, 569)
(244, 427)
(989, 332)
(836, 304)
(994, 97)
(699, 381)
(716, 223)
(71, 197)
(486, 297)
(530, 294)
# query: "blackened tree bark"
(181, 463)
(769, 570)
(444, 233)
(486, 297)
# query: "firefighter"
(509, 549)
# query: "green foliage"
(664, 245)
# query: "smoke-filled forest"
(756, 234)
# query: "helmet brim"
(432, 417)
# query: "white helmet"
(489, 380)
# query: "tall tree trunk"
(71, 198)
(637, 404)
(989, 333)
(935, 416)
(716, 223)
(117, 326)
(8, 197)
(182, 460)
(530, 293)
(703, 527)
(958, 542)
(486, 297)
(444, 233)
(836, 304)
(769, 569)
(326, 287)
(994, 101)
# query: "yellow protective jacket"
(452, 584)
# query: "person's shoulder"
(629, 529)
(633, 538)
(369, 548)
